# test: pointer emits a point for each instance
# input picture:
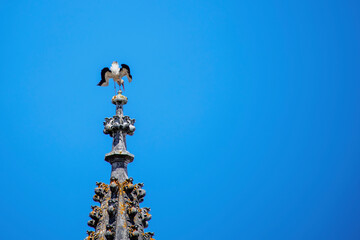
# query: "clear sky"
(247, 116)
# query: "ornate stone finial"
(119, 99)
(118, 127)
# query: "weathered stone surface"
(119, 216)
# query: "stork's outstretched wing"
(128, 75)
(126, 67)
(105, 76)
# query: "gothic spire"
(119, 216)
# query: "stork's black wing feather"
(103, 72)
(126, 66)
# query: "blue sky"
(247, 116)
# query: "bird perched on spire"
(116, 74)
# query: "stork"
(116, 74)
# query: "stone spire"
(119, 216)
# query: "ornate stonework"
(119, 216)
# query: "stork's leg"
(115, 87)
(119, 83)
